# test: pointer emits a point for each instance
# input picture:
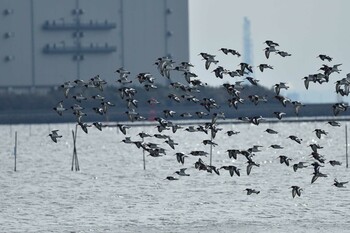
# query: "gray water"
(112, 192)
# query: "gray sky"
(304, 28)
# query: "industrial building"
(47, 42)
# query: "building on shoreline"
(45, 42)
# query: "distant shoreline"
(314, 112)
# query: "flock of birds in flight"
(209, 107)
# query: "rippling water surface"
(112, 192)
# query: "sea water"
(112, 192)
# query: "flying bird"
(325, 57)
(339, 184)
(123, 128)
(59, 108)
(182, 172)
(251, 191)
(54, 135)
(296, 190)
(180, 157)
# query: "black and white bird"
(276, 146)
(334, 163)
(278, 86)
(295, 138)
(250, 165)
(54, 135)
(232, 153)
(144, 135)
(180, 157)
(171, 143)
(211, 168)
(149, 87)
(84, 126)
(98, 97)
(296, 190)
(98, 110)
(79, 114)
(98, 125)
(279, 115)
(199, 153)
(171, 178)
(319, 132)
(209, 142)
(262, 67)
(59, 108)
(105, 105)
(283, 53)
(123, 128)
(168, 113)
(325, 57)
(245, 66)
(268, 50)
(251, 191)
(283, 100)
(316, 175)
(284, 159)
(299, 165)
(153, 101)
(122, 72)
(252, 80)
(256, 99)
(271, 43)
(339, 107)
(182, 172)
(226, 51)
(79, 97)
(231, 132)
(200, 114)
(232, 170)
(66, 87)
(164, 65)
(271, 131)
(315, 147)
(297, 105)
(339, 184)
(208, 59)
(256, 120)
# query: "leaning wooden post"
(73, 157)
(346, 146)
(15, 152)
(77, 168)
(75, 162)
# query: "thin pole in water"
(346, 146)
(15, 152)
(75, 162)
(144, 158)
(211, 147)
(73, 157)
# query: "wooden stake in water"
(211, 147)
(75, 162)
(346, 146)
(15, 152)
(144, 158)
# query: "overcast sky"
(304, 28)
